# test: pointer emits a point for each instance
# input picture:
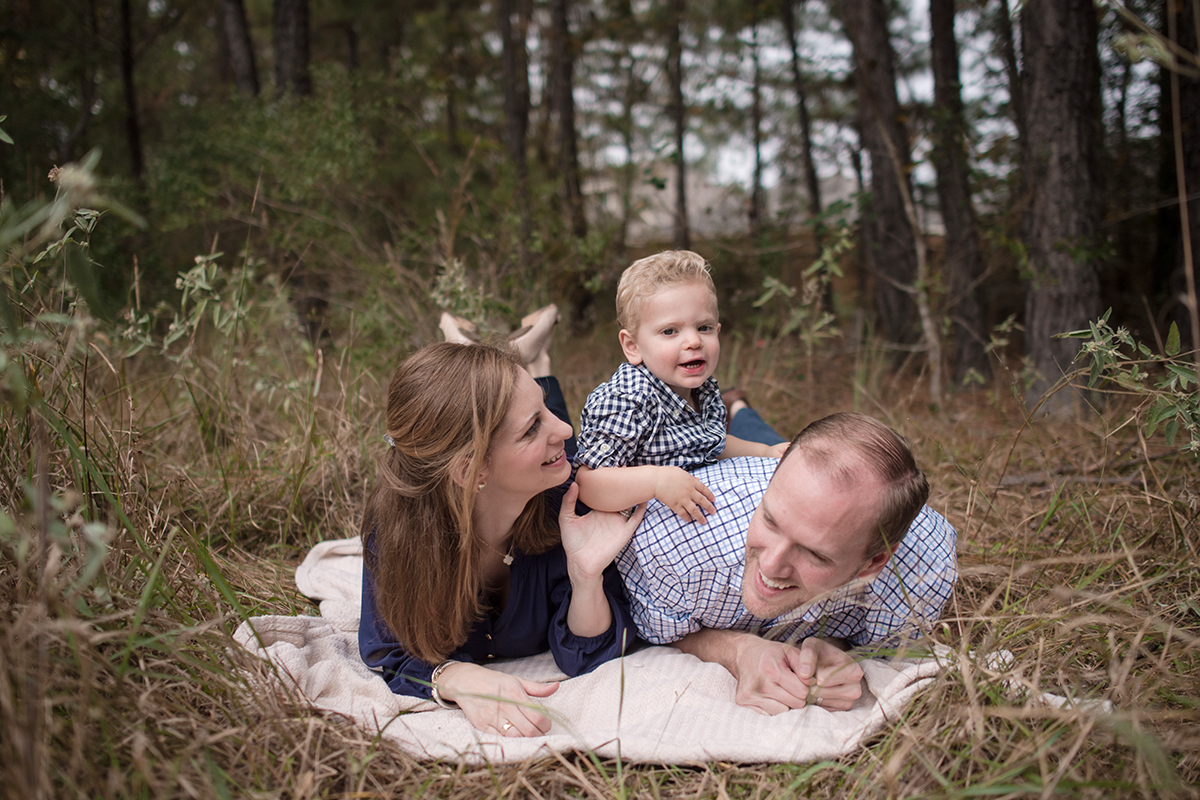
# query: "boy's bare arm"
(735, 448)
(619, 488)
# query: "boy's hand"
(777, 450)
(684, 494)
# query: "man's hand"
(833, 677)
(768, 676)
(686, 495)
(773, 677)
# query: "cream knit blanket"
(657, 705)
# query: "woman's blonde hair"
(446, 403)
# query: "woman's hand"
(592, 541)
(495, 702)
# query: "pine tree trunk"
(352, 60)
(682, 234)
(1176, 251)
(1008, 51)
(516, 110)
(241, 47)
(756, 193)
(291, 47)
(133, 125)
(964, 256)
(810, 170)
(568, 147)
(1061, 163)
(628, 32)
(87, 89)
(516, 88)
(886, 140)
(629, 170)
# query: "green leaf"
(1186, 374)
(1173, 340)
(1170, 431)
(1073, 335)
(1161, 411)
(80, 271)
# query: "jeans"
(747, 424)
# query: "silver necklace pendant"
(508, 559)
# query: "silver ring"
(816, 700)
(504, 728)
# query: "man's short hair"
(840, 442)
(644, 277)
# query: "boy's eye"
(705, 328)
(668, 331)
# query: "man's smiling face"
(809, 535)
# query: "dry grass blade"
(211, 475)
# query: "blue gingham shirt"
(636, 419)
(682, 576)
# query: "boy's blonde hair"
(646, 276)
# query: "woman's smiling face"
(527, 455)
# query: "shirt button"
(604, 448)
(489, 636)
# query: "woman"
(464, 561)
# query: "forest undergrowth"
(161, 477)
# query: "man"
(831, 545)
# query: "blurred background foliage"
(223, 223)
(353, 147)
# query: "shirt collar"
(706, 393)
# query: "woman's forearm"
(589, 613)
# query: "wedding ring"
(817, 700)
(504, 728)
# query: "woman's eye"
(533, 429)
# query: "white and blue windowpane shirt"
(636, 419)
(683, 576)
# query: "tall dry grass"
(151, 500)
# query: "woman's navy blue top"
(533, 621)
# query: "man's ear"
(875, 565)
(629, 347)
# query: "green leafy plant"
(1165, 383)
(805, 308)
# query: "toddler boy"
(661, 413)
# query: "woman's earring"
(481, 486)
